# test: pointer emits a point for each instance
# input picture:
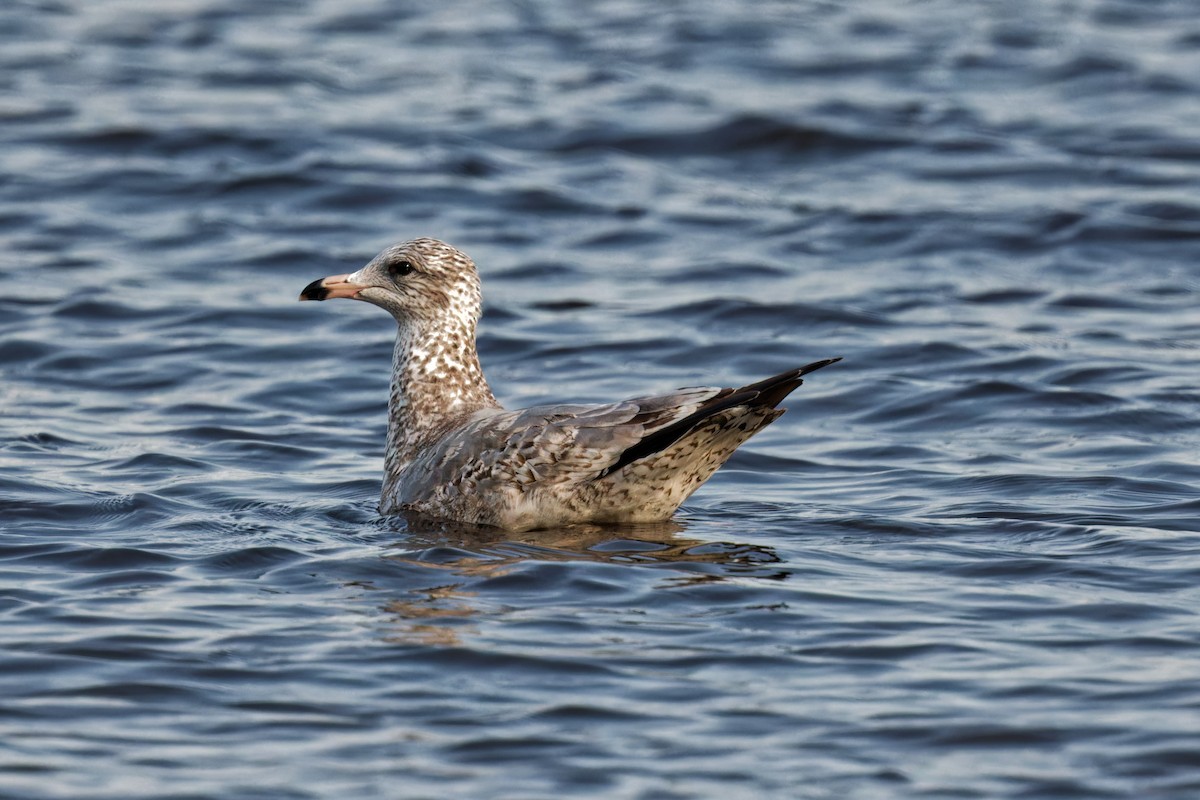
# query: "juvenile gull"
(453, 452)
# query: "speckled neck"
(437, 383)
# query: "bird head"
(424, 280)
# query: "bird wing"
(563, 444)
(763, 395)
(548, 444)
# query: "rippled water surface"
(965, 564)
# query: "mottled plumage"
(454, 453)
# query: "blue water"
(964, 565)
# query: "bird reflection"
(440, 615)
(430, 618)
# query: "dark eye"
(398, 269)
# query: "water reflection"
(459, 559)
(430, 617)
(477, 551)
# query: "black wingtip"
(781, 385)
(816, 365)
(768, 393)
(774, 391)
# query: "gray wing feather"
(545, 445)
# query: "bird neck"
(437, 383)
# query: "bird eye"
(398, 269)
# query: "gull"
(454, 453)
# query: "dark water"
(964, 566)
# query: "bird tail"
(763, 395)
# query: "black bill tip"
(314, 291)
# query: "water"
(964, 565)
